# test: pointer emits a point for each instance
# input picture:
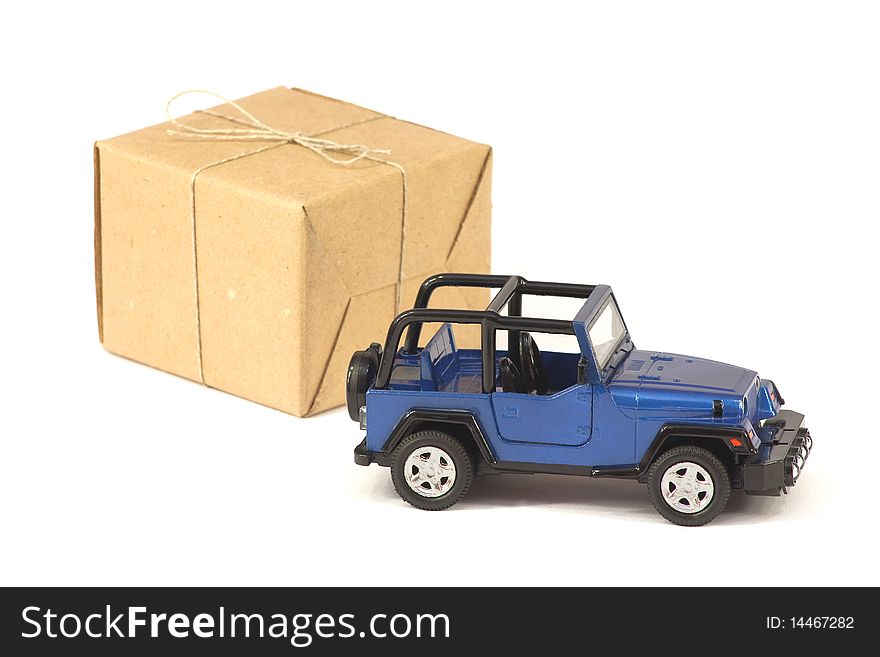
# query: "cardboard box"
(258, 267)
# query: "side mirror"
(582, 370)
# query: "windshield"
(606, 332)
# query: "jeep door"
(562, 416)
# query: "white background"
(717, 163)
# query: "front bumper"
(785, 447)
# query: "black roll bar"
(512, 289)
(432, 283)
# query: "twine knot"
(256, 130)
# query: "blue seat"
(438, 361)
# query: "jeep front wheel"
(688, 485)
(431, 470)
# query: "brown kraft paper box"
(259, 273)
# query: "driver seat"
(508, 373)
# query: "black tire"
(720, 483)
(362, 370)
(451, 447)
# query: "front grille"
(797, 456)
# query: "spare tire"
(361, 373)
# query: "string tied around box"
(257, 131)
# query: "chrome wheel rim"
(687, 487)
(429, 471)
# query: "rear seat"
(439, 361)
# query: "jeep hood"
(679, 373)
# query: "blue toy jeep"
(438, 415)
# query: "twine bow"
(258, 131)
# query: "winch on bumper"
(785, 446)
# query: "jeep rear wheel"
(431, 470)
(688, 485)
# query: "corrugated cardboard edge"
(99, 273)
(478, 184)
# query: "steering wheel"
(532, 370)
(510, 377)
